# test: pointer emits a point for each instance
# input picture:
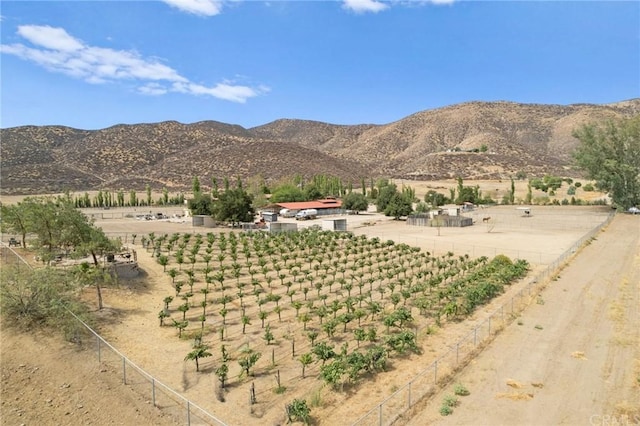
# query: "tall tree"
(195, 185)
(355, 201)
(610, 154)
(235, 206)
(386, 191)
(15, 220)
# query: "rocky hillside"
(440, 143)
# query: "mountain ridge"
(474, 139)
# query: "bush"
(445, 410)
(37, 298)
(460, 390)
(589, 188)
(571, 190)
(298, 410)
(450, 401)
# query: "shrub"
(445, 410)
(450, 401)
(460, 390)
(32, 298)
(298, 410)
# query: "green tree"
(323, 352)
(248, 360)
(610, 154)
(399, 205)
(199, 351)
(298, 410)
(305, 360)
(222, 372)
(386, 191)
(434, 198)
(235, 206)
(268, 335)
(355, 201)
(201, 204)
(133, 198)
(512, 192)
(287, 193)
(195, 185)
(164, 261)
(88, 275)
(15, 219)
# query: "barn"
(327, 206)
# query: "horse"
(486, 219)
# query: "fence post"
(153, 391)
(99, 354)
(188, 413)
(435, 372)
(380, 415)
(124, 370)
(409, 394)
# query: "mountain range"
(474, 140)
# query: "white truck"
(288, 213)
(307, 214)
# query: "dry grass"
(578, 355)
(514, 384)
(627, 411)
(515, 396)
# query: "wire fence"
(160, 395)
(393, 408)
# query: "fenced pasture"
(292, 291)
(351, 303)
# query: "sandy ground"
(131, 325)
(46, 381)
(572, 358)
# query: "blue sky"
(95, 64)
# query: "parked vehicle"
(307, 214)
(288, 213)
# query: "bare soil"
(571, 358)
(131, 325)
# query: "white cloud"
(442, 1)
(49, 37)
(375, 6)
(362, 6)
(153, 89)
(197, 7)
(57, 51)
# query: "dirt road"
(572, 358)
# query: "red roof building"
(329, 203)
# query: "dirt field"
(572, 358)
(131, 326)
